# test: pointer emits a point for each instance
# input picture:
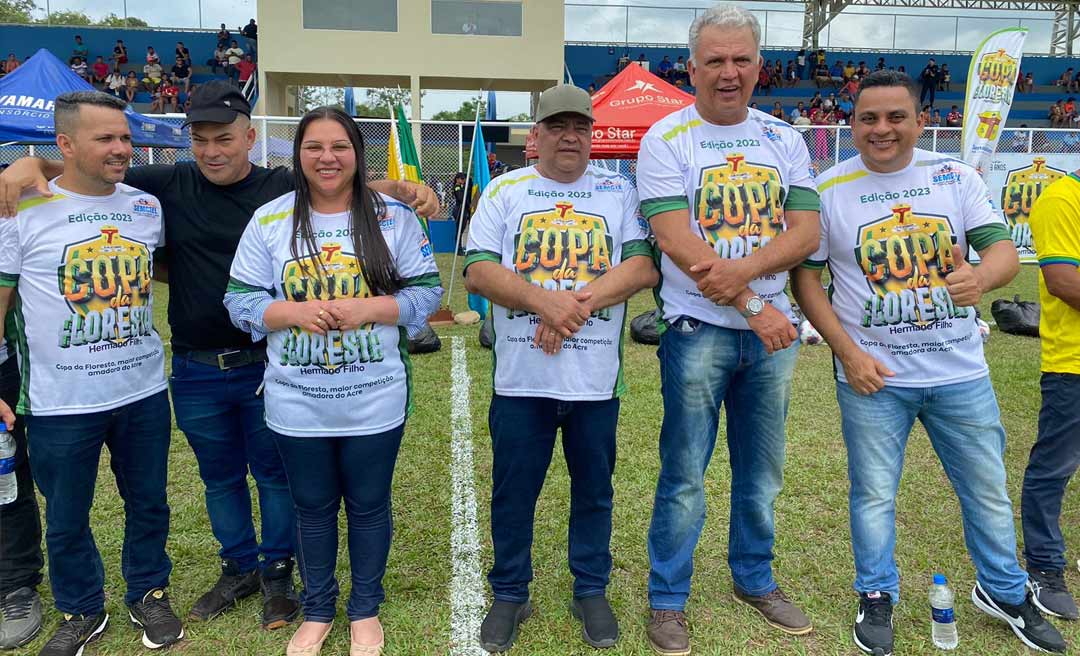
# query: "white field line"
(466, 586)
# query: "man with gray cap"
(558, 248)
(216, 369)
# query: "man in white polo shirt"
(896, 222)
(77, 267)
(558, 248)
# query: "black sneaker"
(599, 627)
(873, 624)
(280, 603)
(1051, 595)
(1025, 620)
(74, 632)
(231, 587)
(161, 627)
(500, 626)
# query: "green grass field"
(813, 555)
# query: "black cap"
(217, 101)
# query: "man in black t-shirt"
(216, 369)
(181, 71)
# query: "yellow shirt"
(1055, 230)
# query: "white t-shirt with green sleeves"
(889, 240)
(347, 382)
(559, 236)
(82, 268)
(736, 181)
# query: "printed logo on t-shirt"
(1022, 188)
(106, 282)
(562, 248)
(609, 185)
(947, 174)
(905, 257)
(739, 206)
(332, 275)
(147, 208)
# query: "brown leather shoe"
(779, 612)
(668, 632)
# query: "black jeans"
(927, 89)
(1053, 460)
(21, 561)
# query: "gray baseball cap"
(563, 99)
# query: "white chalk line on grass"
(466, 587)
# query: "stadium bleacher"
(596, 64)
(24, 40)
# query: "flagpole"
(466, 200)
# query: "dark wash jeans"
(1053, 460)
(522, 440)
(21, 560)
(322, 471)
(65, 451)
(223, 421)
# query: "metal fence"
(927, 30)
(444, 146)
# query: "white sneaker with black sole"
(873, 625)
(1025, 620)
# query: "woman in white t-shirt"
(332, 274)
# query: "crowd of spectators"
(169, 87)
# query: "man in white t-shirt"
(730, 196)
(895, 225)
(558, 248)
(92, 363)
(233, 56)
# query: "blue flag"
(481, 176)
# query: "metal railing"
(783, 28)
(175, 15)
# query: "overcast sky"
(607, 20)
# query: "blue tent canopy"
(26, 106)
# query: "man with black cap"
(216, 369)
(558, 248)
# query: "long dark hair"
(365, 209)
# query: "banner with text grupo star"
(991, 83)
(1015, 181)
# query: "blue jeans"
(965, 430)
(21, 560)
(322, 471)
(522, 441)
(1052, 462)
(224, 423)
(701, 367)
(65, 450)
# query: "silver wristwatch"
(755, 305)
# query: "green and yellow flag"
(404, 162)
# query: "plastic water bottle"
(941, 606)
(8, 486)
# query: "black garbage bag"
(1016, 316)
(487, 331)
(643, 328)
(426, 341)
